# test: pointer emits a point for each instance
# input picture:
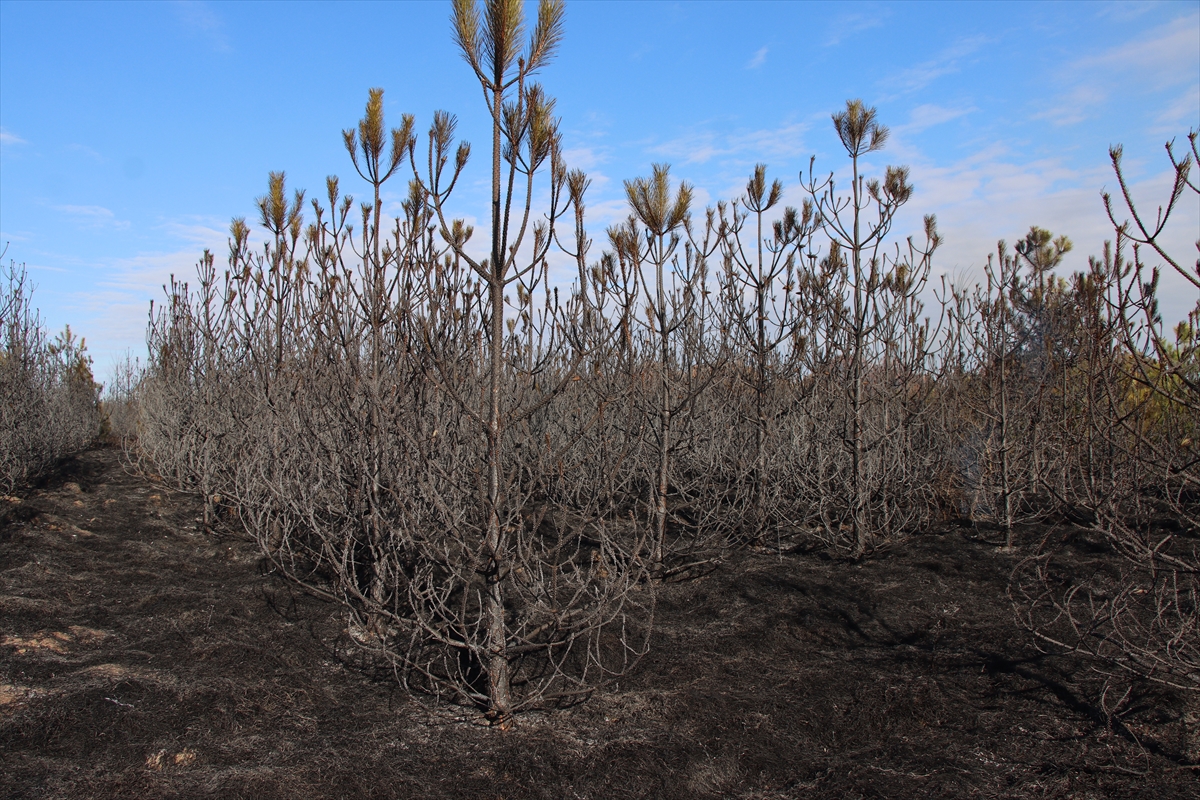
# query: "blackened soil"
(142, 658)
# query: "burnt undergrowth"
(144, 657)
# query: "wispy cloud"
(201, 19)
(115, 310)
(603, 214)
(698, 148)
(1124, 10)
(1161, 57)
(1074, 106)
(87, 151)
(584, 157)
(760, 58)
(1183, 110)
(200, 233)
(1166, 57)
(144, 275)
(928, 115)
(846, 25)
(14, 236)
(8, 137)
(93, 216)
(992, 195)
(947, 62)
(589, 160)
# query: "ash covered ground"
(141, 657)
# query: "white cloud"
(116, 310)
(640, 51)
(146, 274)
(87, 151)
(928, 115)
(93, 216)
(1183, 112)
(13, 236)
(1125, 10)
(584, 158)
(994, 193)
(109, 299)
(760, 58)
(200, 233)
(846, 25)
(589, 160)
(200, 18)
(1163, 59)
(601, 215)
(46, 268)
(8, 137)
(919, 76)
(990, 196)
(1075, 105)
(786, 141)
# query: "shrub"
(48, 399)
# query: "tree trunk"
(499, 679)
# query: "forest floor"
(142, 658)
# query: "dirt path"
(141, 658)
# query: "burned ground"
(140, 657)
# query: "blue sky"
(130, 133)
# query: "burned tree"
(399, 423)
(1137, 390)
(765, 320)
(882, 341)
